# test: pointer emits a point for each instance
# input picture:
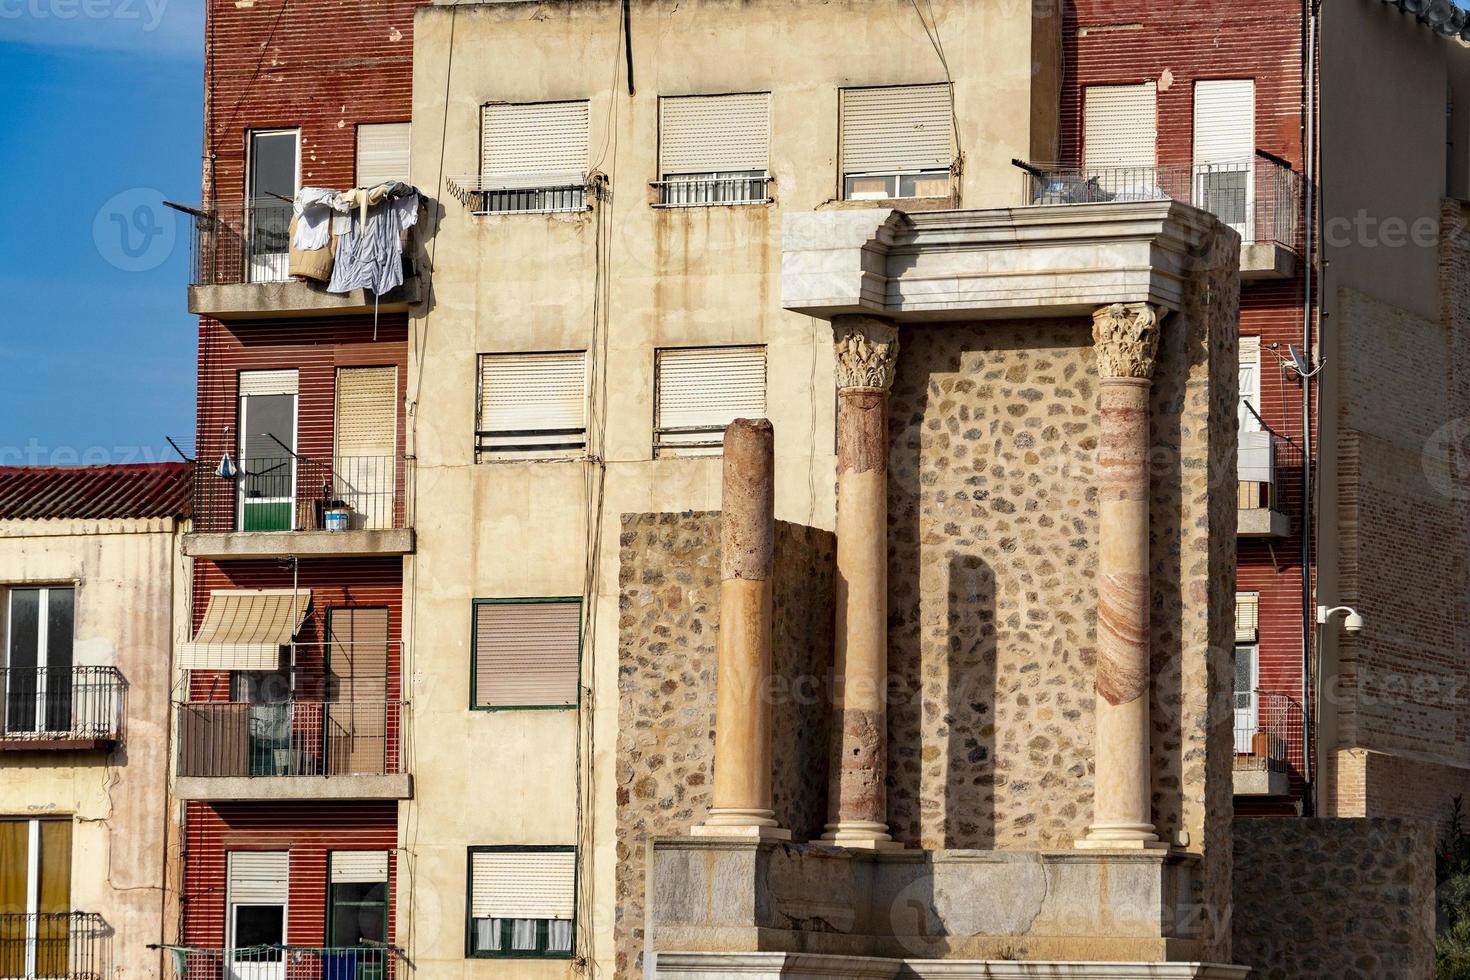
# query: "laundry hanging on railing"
(352, 239)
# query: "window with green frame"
(526, 653)
(522, 902)
(357, 905)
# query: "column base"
(860, 835)
(1121, 837)
(746, 824)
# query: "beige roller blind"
(705, 134)
(902, 127)
(702, 389)
(523, 884)
(244, 629)
(531, 393)
(359, 866)
(281, 382)
(1247, 616)
(1119, 126)
(367, 411)
(382, 153)
(259, 877)
(526, 654)
(1224, 121)
(542, 144)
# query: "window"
(1250, 384)
(533, 157)
(357, 898)
(532, 405)
(38, 679)
(1247, 668)
(267, 479)
(255, 910)
(1120, 141)
(358, 712)
(714, 149)
(896, 141)
(526, 653)
(700, 390)
(382, 153)
(1225, 149)
(522, 902)
(35, 881)
(364, 468)
(271, 182)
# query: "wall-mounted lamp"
(1352, 622)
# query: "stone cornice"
(1061, 260)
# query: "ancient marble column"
(741, 805)
(1125, 338)
(857, 805)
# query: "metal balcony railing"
(713, 189)
(1268, 731)
(284, 963)
(1261, 198)
(246, 243)
(554, 193)
(291, 738)
(42, 704)
(54, 945)
(300, 493)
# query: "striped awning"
(244, 629)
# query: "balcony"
(240, 261)
(276, 506)
(549, 195)
(1262, 458)
(1268, 742)
(711, 190)
(54, 945)
(291, 750)
(285, 963)
(1260, 198)
(61, 709)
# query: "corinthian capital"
(867, 349)
(1126, 337)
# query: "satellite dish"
(226, 470)
(1298, 362)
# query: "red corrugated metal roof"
(95, 492)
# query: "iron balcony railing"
(246, 243)
(555, 192)
(284, 963)
(1268, 731)
(283, 492)
(291, 738)
(1261, 198)
(713, 189)
(43, 704)
(54, 945)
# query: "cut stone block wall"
(1334, 899)
(669, 618)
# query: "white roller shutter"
(1224, 121)
(1253, 460)
(359, 866)
(382, 153)
(282, 382)
(703, 389)
(259, 877)
(1247, 616)
(367, 415)
(705, 134)
(527, 654)
(526, 398)
(1250, 382)
(1120, 126)
(902, 127)
(523, 884)
(538, 145)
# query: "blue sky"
(101, 118)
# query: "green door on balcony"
(267, 481)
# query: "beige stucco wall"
(693, 276)
(127, 615)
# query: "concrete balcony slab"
(1261, 782)
(1266, 260)
(273, 544)
(228, 789)
(296, 297)
(1260, 522)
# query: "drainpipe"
(1308, 692)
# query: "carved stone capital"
(1126, 337)
(866, 349)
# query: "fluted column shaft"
(867, 350)
(1126, 341)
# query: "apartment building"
(89, 560)
(291, 704)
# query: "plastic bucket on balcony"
(338, 518)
